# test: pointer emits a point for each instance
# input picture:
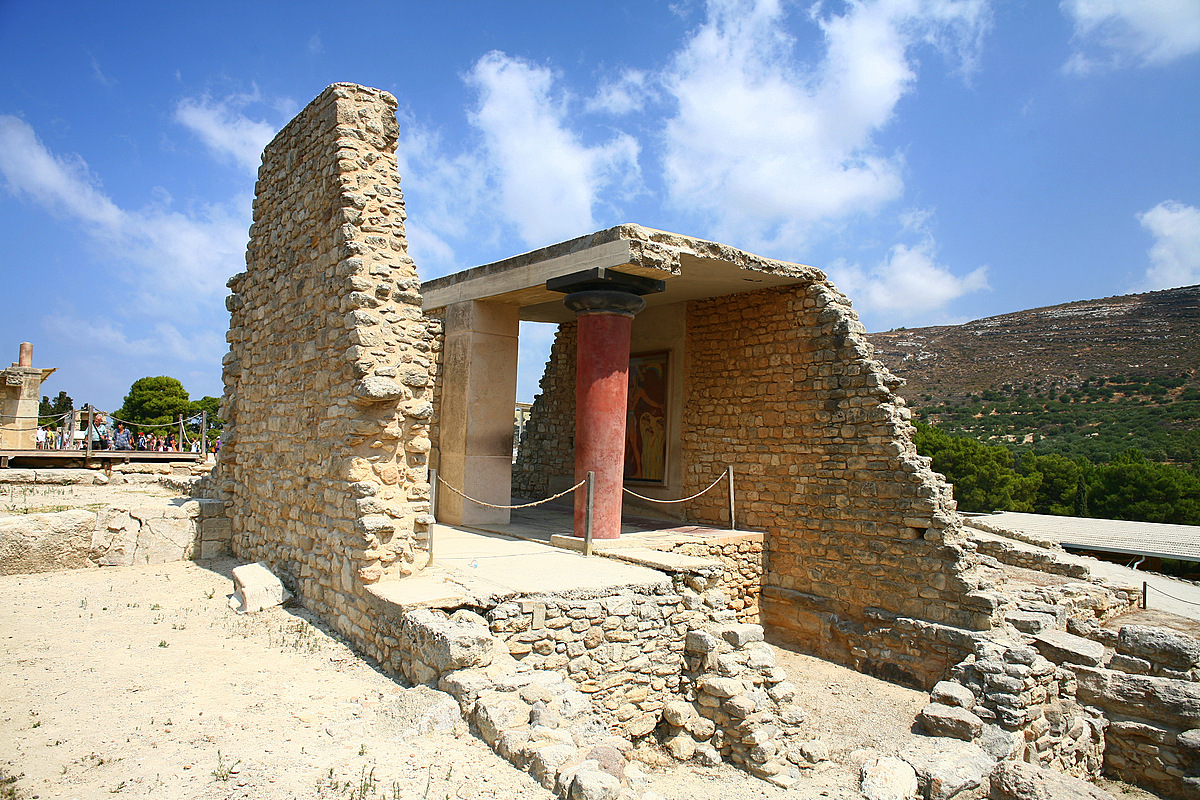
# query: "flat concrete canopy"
(692, 268)
(1107, 535)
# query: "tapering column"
(604, 303)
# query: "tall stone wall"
(865, 562)
(328, 376)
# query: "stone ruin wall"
(327, 379)
(864, 559)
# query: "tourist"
(41, 438)
(121, 438)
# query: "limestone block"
(1161, 646)
(950, 693)
(741, 634)
(447, 645)
(164, 540)
(545, 760)
(497, 712)
(1168, 701)
(1016, 780)
(593, 784)
(1066, 648)
(255, 587)
(888, 778)
(953, 721)
(720, 687)
(44, 542)
(951, 770)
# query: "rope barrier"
(145, 424)
(682, 499)
(442, 481)
(55, 418)
(1173, 597)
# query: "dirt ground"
(141, 682)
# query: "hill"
(1091, 378)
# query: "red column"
(601, 392)
(605, 319)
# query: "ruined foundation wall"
(327, 379)
(865, 557)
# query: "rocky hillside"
(1152, 335)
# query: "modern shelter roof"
(1106, 535)
(692, 269)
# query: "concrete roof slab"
(692, 268)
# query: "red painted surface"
(601, 392)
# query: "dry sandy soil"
(141, 682)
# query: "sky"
(941, 160)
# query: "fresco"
(646, 420)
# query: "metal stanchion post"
(587, 513)
(1143, 595)
(729, 475)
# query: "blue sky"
(942, 160)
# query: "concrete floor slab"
(492, 567)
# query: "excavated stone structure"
(328, 375)
(866, 562)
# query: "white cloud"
(1117, 33)
(765, 146)
(1175, 254)
(548, 179)
(164, 251)
(164, 342)
(628, 93)
(908, 284)
(225, 130)
(444, 196)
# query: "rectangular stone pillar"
(479, 393)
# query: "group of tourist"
(120, 438)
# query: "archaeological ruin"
(20, 395)
(358, 399)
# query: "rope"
(60, 416)
(442, 481)
(1173, 597)
(144, 424)
(682, 499)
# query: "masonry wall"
(327, 379)
(865, 561)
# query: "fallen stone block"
(1016, 780)
(255, 587)
(1066, 648)
(953, 721)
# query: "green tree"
(49, 410)
(1063, 486)
(1133, 487)
(155, 401)
(983, 476)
